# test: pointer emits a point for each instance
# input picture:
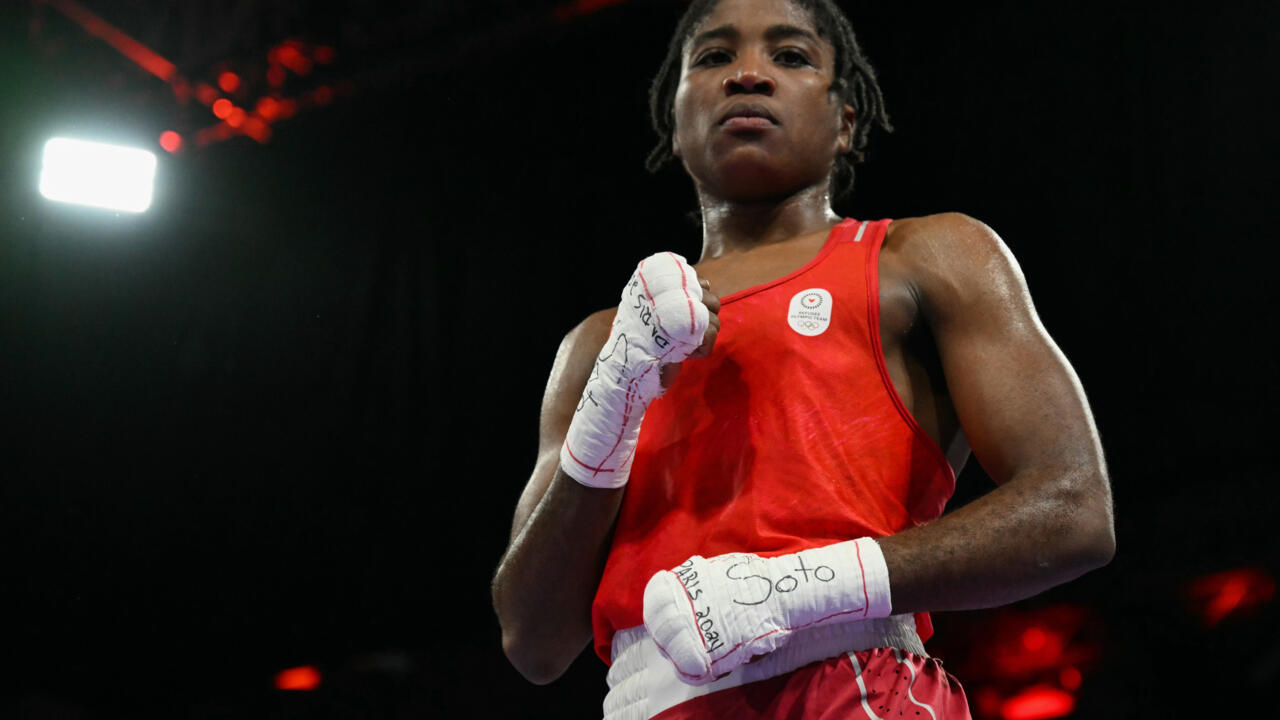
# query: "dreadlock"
(855, 84)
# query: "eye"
(712, 57)
(791, 58)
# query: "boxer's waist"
(642, 683)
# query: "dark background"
(283, 417)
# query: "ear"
(848, 121)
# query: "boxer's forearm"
(545, 584)
(1038, 530)
(607, 372)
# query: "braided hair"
(855, 84)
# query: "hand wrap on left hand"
(710, 615)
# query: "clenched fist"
(662, 319)
(711, 615)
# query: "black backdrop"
(283, 417)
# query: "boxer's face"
(758, 57)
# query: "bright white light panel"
(97, 174)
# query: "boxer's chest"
(733, 274)
(910, 357)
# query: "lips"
(752, 114)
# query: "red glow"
(1070, 678)
(222, 108)
(324, 54)
(1034, 638)
(582, 7)
(1038, 703)
(213, 134)
(143, 56)
(291, 57)
(987, 701)
(256, 128)
(228, 81)
(1048, 639)
(181, 90)
(1233, 592)
(275, 75)
(286, 108)
(299, 678)
(170, 141)
(205, 94)
(1036, 648)
(268, 108)
(322, 95)
(236, 118)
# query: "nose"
(748, 80)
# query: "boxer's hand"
(671, 370)
(710, 615)
(661, 319)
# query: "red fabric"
(829, 690)
(778, 442)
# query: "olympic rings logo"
(805, 324)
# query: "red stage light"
(170, 141)
(987, 700)
(1070, 678)
(324, 54)
(214, 133)
(1034, 638)
(181, 90)
(222, 107)
(288, 55)
(322, 95)
(228, 81)
(1233, 592)
(143, 56)
(582, 7)
(299, 678)
(268, 108)
(275, 75)
(286, 108)
(205, 94)
(1038, 703)
(236, 118)
(256, 128)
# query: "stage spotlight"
(97, 174)
(171, 141)
(298, 678)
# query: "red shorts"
(876, 684)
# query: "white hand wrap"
(709, 616)
(660, 320)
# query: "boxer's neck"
(730, 227)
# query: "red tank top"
(789, 436)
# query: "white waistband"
(642, 683)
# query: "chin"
(747, 182)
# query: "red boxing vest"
(789, 436)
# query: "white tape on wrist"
(711, 615)
(661, 320)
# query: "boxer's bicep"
(1018, 399)
(574, 362)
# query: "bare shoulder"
(953, 260)
(578, 350)
(949, 239)
(587, 336)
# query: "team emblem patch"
(810, 312)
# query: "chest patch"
(810, 312)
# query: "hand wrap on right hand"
(661, 320)
(711, 615)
